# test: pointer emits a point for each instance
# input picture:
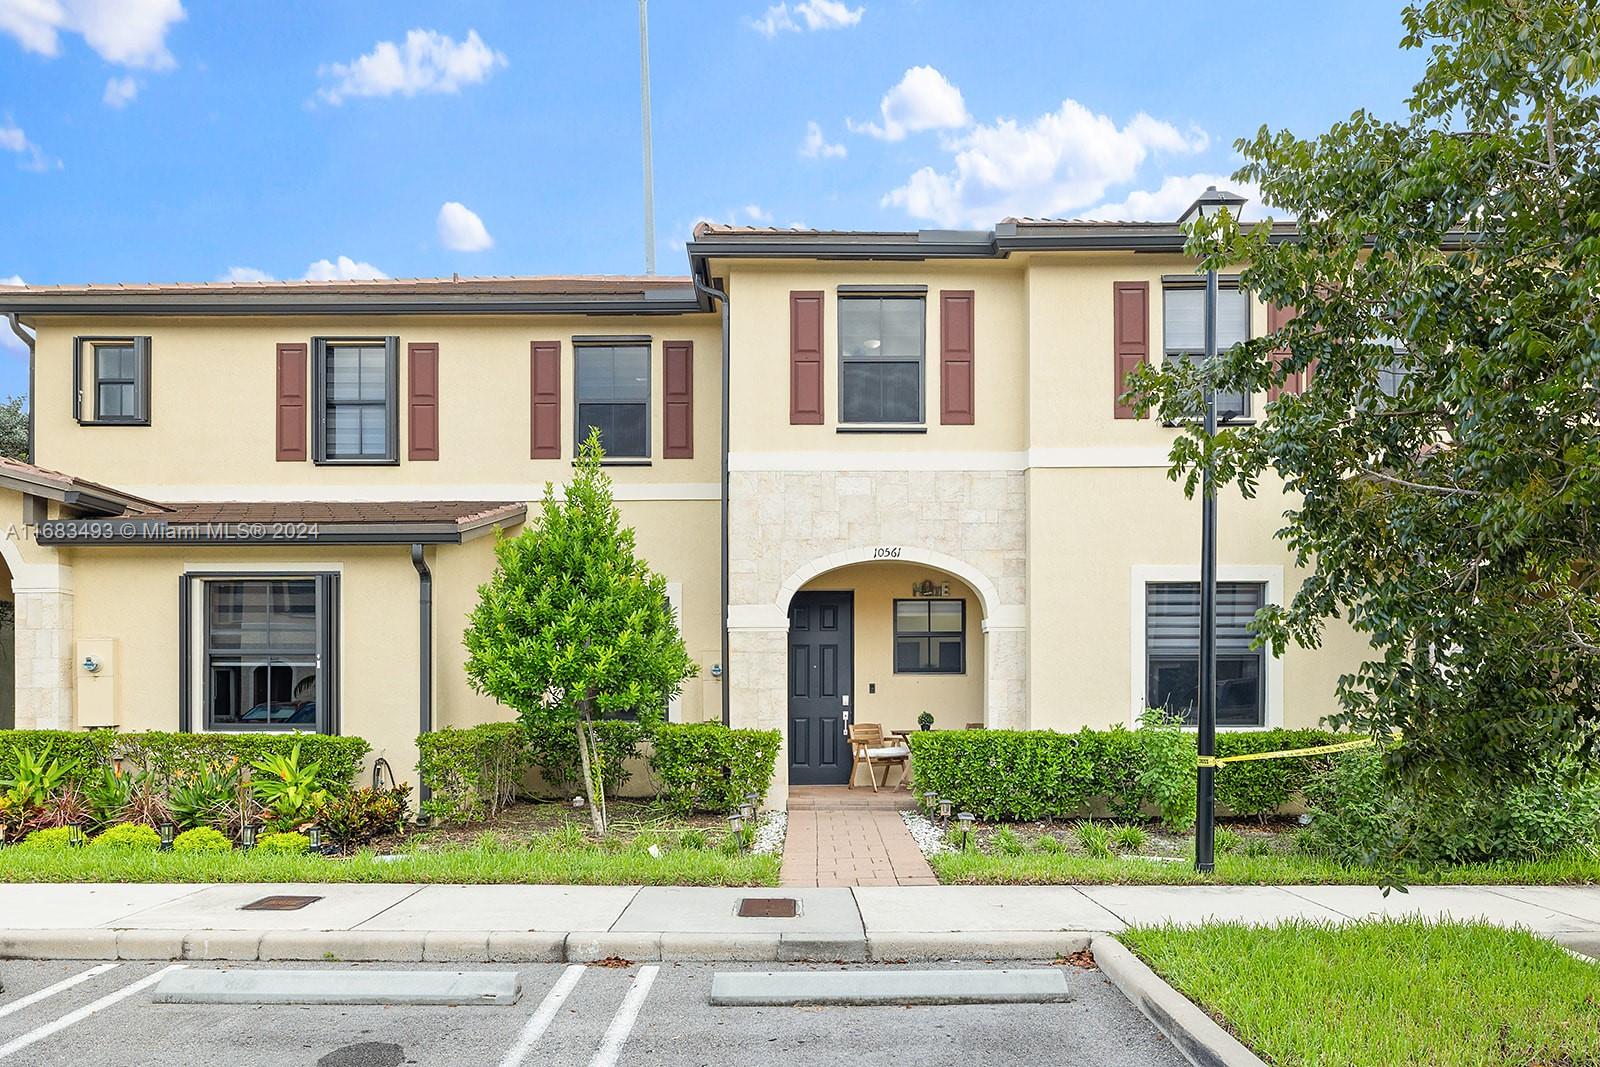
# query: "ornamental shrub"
(175, 756)
(202, 839)
(1033, 774)
(54, 837)
(705, 766)
(80, 752)
(288, 843)
(360, 816)
(553, 751)
(131, 835)
(474, 773)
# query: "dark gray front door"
(821, 669)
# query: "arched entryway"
(880, 642)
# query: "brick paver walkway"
(840, 836)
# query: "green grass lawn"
(1386, 993)
(1062, 868)
(591, 865)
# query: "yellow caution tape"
(1320, 750)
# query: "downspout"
(727, 370)
(29, 340)
(425, 632)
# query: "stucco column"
(44, 659)
(1005, 674)
(758, 669)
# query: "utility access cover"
(281, 902)
(768, 908)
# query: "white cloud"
(129, 33)
(14, 279)
(427, 62)
(923, 100)
(120, 92)
(757, 213)
(1057, 164)
(815, 14)
(247, 274)
(343, 269)
(461, 230)
(1175, 193)
(816, 146)
(12, 139)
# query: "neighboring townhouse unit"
(883, 473)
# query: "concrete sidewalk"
(548, 923)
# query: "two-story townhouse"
(883, 473)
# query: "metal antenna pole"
(649, 167)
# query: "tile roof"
(45, 478)
(458, 513)
(515, 285)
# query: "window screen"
(1184, 333)
(1172, 651)
(880, 353)
(930, 636)
(261, 649)
(613, 385)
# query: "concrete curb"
(1194, 1033)
(519, 946)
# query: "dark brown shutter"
(422, 400)
(805, 358)
(545, 374)
(956, 406)
(1131, 315)
(291, 402)
(1277, 317)
(677, 391)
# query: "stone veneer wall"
(784, 524)
(44, 651)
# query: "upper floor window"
(355, 383)
(1184, 330)
(112, 381)
(930, 636)
(1172, 651)
(880, 358)
(613, 387)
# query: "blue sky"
(163, 140)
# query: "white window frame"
(1141, 575)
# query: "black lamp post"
(1209, 205)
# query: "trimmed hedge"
(1033, 774)
(554, 752)
(171, 755)
(473, 773)
(705, 766)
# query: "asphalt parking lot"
(80, 1013)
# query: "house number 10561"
(890, 552)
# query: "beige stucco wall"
(954, 699)
(1092, 533)
(213, 384)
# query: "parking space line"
(622, 1023)
(51, 990)
(541, 1019)
(42, 1032)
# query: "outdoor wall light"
(247, 836)
(167, 832)
(966, 819)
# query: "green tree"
(1442, 466)
(14, 428)
(573, 626)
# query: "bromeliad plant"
(289, 793)
(108, 793)
(204, 799)
(36, 777)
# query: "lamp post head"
(1210, 204)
